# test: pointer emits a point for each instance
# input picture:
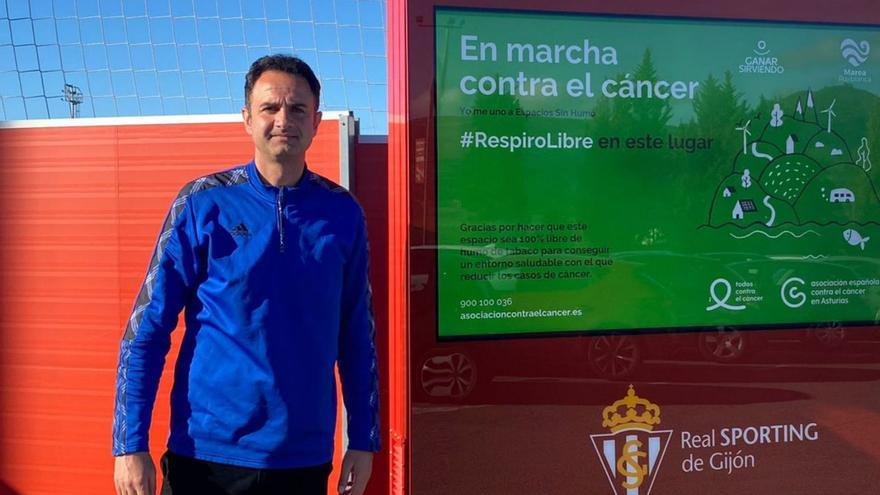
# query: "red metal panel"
(399, 122)
(58, 295)
(370, 176)
(80, 208)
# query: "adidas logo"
(240, 230)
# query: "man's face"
(282, 117)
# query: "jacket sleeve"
(147, 338)
(358, 365)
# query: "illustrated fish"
(854, 238)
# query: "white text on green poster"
(599, 173)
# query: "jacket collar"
(270, 192)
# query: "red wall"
(80, 209)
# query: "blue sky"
(170, 57)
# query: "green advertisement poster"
(599, 173)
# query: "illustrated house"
(737, 211)
(742, 207)
(728, 191)
(789, 144)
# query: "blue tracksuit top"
(274, 286)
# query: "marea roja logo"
(632, 452)
(855, 52)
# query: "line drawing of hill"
(795, 168)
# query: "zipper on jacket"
(280, 203)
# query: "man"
(269, 261)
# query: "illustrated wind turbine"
(830, 112)
(745, 131)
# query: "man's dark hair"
(282, 63)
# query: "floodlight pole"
(73, 96)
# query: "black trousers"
(188, 476)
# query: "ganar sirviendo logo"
(632, 452)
